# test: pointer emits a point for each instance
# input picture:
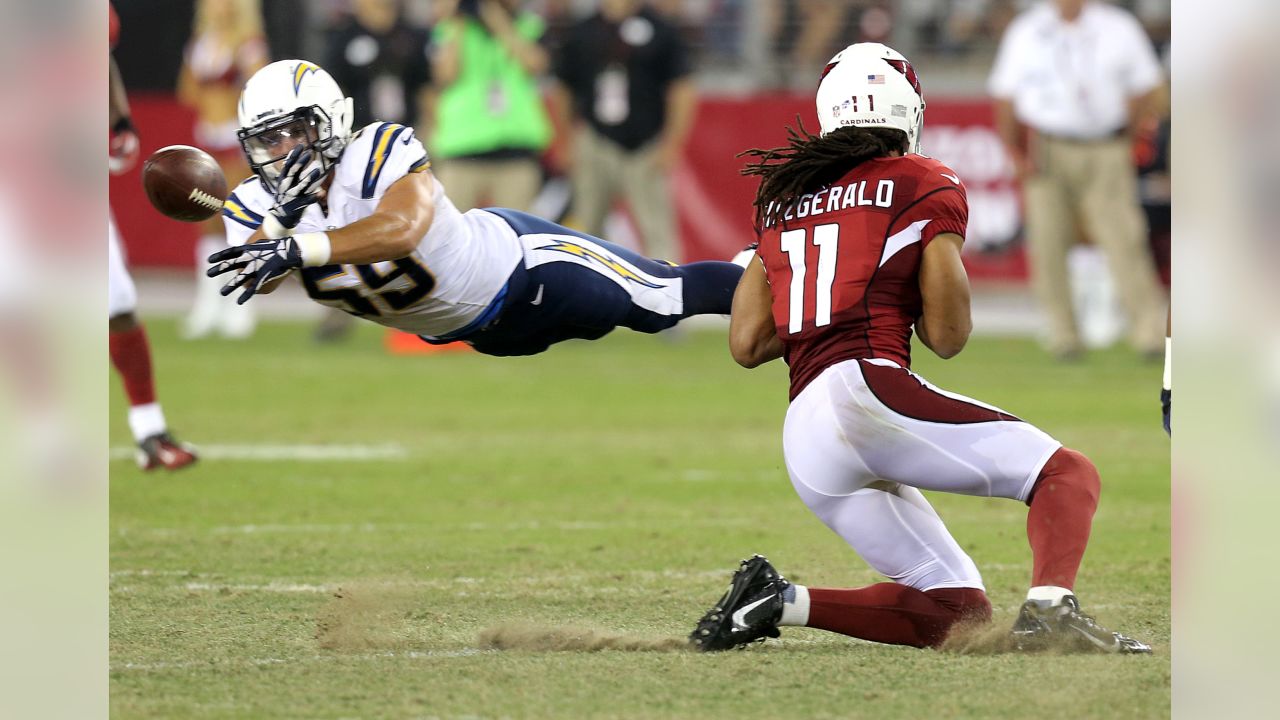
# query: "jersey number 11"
(826, 238)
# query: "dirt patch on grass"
(979, 639)
(520, 636)
(993, 638)
(366, 618)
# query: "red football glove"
(123, 149)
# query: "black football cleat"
(748, 612)
(163, 451)
(1040, 626)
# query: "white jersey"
(457, 270)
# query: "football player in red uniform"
(130, 352)
(859, 243)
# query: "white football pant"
(865, 434)
(122, 297)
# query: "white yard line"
(269, 587)
(144, 572)
(603, 582)
(278, 452)
(341, 528)
(260, 662)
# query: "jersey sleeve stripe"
(236, 210)
(382, 145)
(422, 163)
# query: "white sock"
(146, 420)
(795, 606)
(1048, 594)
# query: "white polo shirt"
(1074, 79)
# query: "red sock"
(1062, 505)
(131, 357)
(896, 614)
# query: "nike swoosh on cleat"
(952, 178)
(1101, 644)
(740, 615)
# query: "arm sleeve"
(946, 209)
(677, 55)
(393, 153)
(1144, 72)
(563, 65)
(335, 58)
(418, 65)
(243, 211)
(530, 27)
(1003, 81)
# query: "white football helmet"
(871, 85)
(287, 103)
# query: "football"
(184, 183)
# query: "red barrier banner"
(714, 199)
(151, 239)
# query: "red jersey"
(843, 263)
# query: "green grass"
(610, 486)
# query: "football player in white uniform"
(370, 231)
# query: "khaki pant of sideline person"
(510, 183)
(603, 170)
(1093, 183)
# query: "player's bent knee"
(1069, 468)
(963, 606)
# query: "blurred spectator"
(491, 125)
(381, 60)
(626, 91)
(226, 47)
(806, 33)
(1072, 80)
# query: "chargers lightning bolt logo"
(300, 72)
(584, 252)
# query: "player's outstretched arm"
(393, 231)
(945, 324)
(753, 340)
(395, 228)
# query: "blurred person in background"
(128, 347)
(226, 47)
(625, 90)
(1073, 80)
(490, 126)
(383, 62)
(806, 32)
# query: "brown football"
(184, 183)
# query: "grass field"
(610, 487)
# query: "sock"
(146, 420)
(131, 357)
(795, 606)
(709, 286)
(1048, 594)
(1062, 505)
(895, 614)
